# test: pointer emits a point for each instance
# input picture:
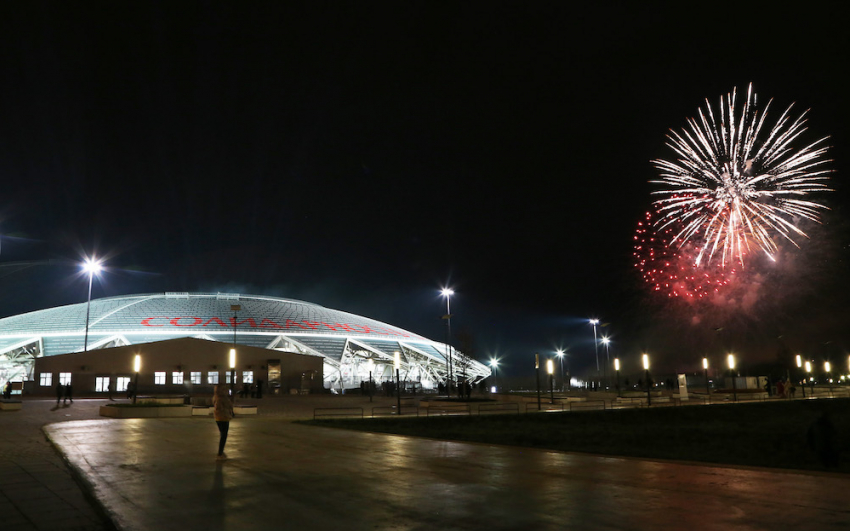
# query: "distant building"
(350, 346)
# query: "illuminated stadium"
(351, 345)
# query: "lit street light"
(137, 366)
(595, 322)
(705, 371)
(447, 293)
(494, 364)
(800, 367)
(828, 369)
(397, 366)
(564, 379)
(811, 382)
(731, 361)
(606, 341)
(550, 368)
(646, 368)
(92, 266)
(617, 370)
(232, 370)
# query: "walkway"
(161, 474)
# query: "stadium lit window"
(212, 377)
(196, 377)
(159, 378)
(121, 384)
(248, 377)
(101, 383)
(46, 379)
(64, 378)
(177, 377)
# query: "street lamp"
(232, 370)
(494, 364)
(137, 366)
(447, 293)
(731, 361)
(595, 322)
(800, 367)
(550, 368)
(705, 371)
(617, 370)
(397, 366)
(828, 369)
(811, 382)
(560, 354)
(92, 266)
(606, 341)
(537, 373)
(646, 368)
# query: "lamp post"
(137, 366)
(828, 369)
(371, 366)
(91, 266)
(811, 382)
(494, 364)
(447, 293)
(646, 368)
(705, 372)
(617, 370)
(595, 322)
(560, 354)
(800, 367)
(537, 373)
(730, 359)
(550, 368)
(397, 366)
(606, 341)
(232, 370)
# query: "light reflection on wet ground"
(161, 473)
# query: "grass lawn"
(771, 434)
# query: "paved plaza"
(162, 474)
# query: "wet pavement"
(162, 474)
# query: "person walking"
(223, 412)
(60, 392)
(69, 393)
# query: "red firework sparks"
(673, 270)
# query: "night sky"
(361, 155)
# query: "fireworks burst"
(672, 271)
(731, 190)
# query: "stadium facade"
(351, 346)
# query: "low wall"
(142, 412)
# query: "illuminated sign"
(268, 324)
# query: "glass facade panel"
(122, 383)
(64, 378)
(212, 377)
(177, 377)
(196, 378)
(159, 378)
(101, 383)
(45, 379)
(248, 377)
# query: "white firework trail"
(729, 191)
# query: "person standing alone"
(223, 412)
